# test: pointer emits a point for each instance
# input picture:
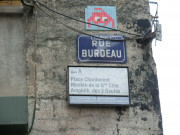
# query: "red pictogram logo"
(100, 18)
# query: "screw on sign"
(100, 17)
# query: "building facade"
(37, 50)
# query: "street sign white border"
(87, 99)
(101, 60)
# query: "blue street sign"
(91, 49)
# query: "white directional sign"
(97, 83)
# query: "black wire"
(153, 24)
(24, 2)
(116, 40)
(156, 14)
(35, 71)
(84, 21)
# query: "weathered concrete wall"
(56, 49)
(12, 57)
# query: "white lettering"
(113, 54)
(119, 56)
(84, 53)
(90, 53)
(96, 53)
(94, 43)
(102, 53)
(101, 43)
(108, 53)
(108, 44)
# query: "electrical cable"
(147, 35)
(26, 3)
(35, 69)
(84, 21)
(143, 37)
(76, 29)
(154, 19)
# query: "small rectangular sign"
(98, 100)
(93, 50)
(104, 84)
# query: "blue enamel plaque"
(96, 50)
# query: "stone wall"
(56, 49)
